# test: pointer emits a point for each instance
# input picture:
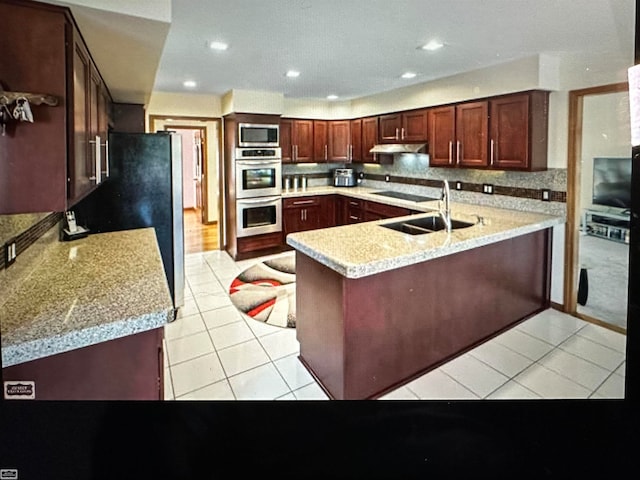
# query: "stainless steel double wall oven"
(258, 190)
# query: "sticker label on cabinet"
(19, 390)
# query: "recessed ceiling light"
(408, 75)
(189, 83)
(332, 97)
(293, 74)
(218, 46)
(432, 45)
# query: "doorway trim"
(153, 119)
(574, 175)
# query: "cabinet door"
(355, 147)
(339, 137)
(80, 166)
(320, 141)
(369, 138)
(442, 135)
(472, 123)
(509, 140)
(390, 126)
(302, 136)
(286, 141)
(103, 128)
(414, 126)
(327, 211)
(341, 211)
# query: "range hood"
(398, 148)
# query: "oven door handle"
(259, 200)
(251, 163)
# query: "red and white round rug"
(266, 291)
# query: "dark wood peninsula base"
(363, 337)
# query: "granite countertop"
(85, 292)
(363, 249)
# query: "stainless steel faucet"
(445, 211)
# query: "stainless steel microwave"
(258, 135)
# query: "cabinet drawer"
(354, 215)
(355, 203)
(386, 211)
(299, 202)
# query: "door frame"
(574, 177)
(204, 174)
(153, 119)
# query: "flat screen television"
(612, 182)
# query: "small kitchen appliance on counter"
(344, 177)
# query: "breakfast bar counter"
(376, 307)
(89, 314)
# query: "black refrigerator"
(143, 189)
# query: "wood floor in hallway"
(198, 237)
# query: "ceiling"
(349, 48)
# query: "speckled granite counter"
(364, 249)
(85, 292)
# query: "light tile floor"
(213, 352)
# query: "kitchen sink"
(420, 226)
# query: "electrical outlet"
(546, 195)
(387, 178)
(458, 185)
(487, 188)
(10, 252)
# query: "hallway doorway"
(201, 159)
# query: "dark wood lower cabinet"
(363, 337)
(127, 368)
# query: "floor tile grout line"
(452, 378)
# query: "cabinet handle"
(106, 156)
(326, 156)
(97, 160)
(402, 133)
(353, 218)
(458, 152)
(303, 202)
(396, 134)
(295, 153)
(450, 152)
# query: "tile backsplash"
(411, 173)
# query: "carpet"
(266, 292)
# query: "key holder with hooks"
(16, 106)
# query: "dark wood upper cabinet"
(355, 147)
(414, 126)
(410, 126)
(320, 141)
(52, 58)
(472, 120)
(390, 126)
(507, 132)
(369, 139)
(286, 143)
(296, 140)
(339, 140)
(442, 136)
(518, 131)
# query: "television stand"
(603, 224)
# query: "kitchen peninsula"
(86, 320)
(377, 307)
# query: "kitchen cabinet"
(51, 58)
(472, 120)
(355, 210)
(379, 211)
(300, 214)
(518, 127)
(502, 133)
(458, 135)
(410, 126)
(355, 136)
(339, 141)
(296, 140)
(320, 141)
(369, 140)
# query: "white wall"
(606, 132)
